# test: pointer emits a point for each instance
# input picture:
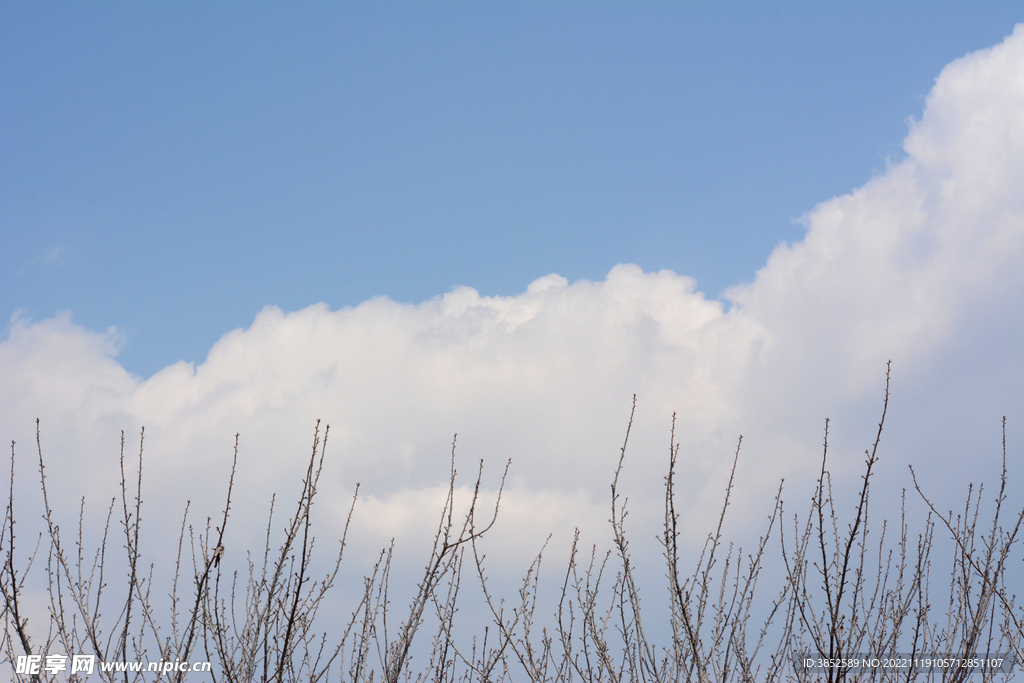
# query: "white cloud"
(53, 255)
(921, 265)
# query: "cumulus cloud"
(921, 265)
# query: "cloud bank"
(921, 265)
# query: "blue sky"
(170, 169)
(517, 218)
